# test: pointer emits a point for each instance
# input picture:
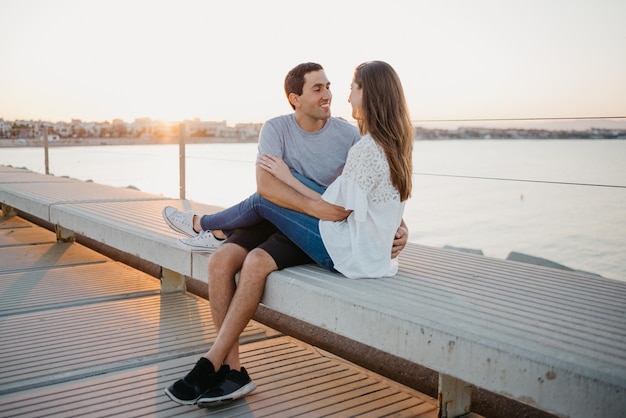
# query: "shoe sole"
(173, 226)
(196, 249)
(181, 401)
(221, 400)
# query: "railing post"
(45, 147)
(181, 161)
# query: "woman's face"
(355, 99)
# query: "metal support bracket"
(172, 281)
(455, 397)
(8, 211)
(64, 234)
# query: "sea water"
(563, 200)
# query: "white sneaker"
(181, 222)
(204, 241)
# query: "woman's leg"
(300, 228)
(241, 215)
(244, 213)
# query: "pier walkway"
(84, 335)
(501, 338)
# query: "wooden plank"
(45, 347)
(54, 288)
(16, 236)
(55, 282)
(312, 383)
(14, 222)
(139, 391)
(23, 233)
(34, 257)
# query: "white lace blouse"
(360, 246)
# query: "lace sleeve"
(367, 167)
(365, 180)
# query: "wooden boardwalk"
(84, 335)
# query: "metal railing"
(183, 140)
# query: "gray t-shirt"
(319, 156)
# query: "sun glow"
(98, 60)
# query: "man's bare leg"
(218, 376)
(257, 265)
(224, 264)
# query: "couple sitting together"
(326, 193)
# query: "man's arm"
(400, 240)
(283, 195)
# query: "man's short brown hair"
(294, 81)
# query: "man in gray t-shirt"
(314, 145)
(318, 156)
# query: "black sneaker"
(200, 379)
(235, 385)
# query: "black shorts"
(266, 236)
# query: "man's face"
(316, 96)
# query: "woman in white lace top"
(374, 185)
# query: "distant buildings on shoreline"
(499, 133)
(146, 130)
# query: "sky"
(98, 60)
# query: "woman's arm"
(279, 169)
(279, 186)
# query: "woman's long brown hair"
(384, 115)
